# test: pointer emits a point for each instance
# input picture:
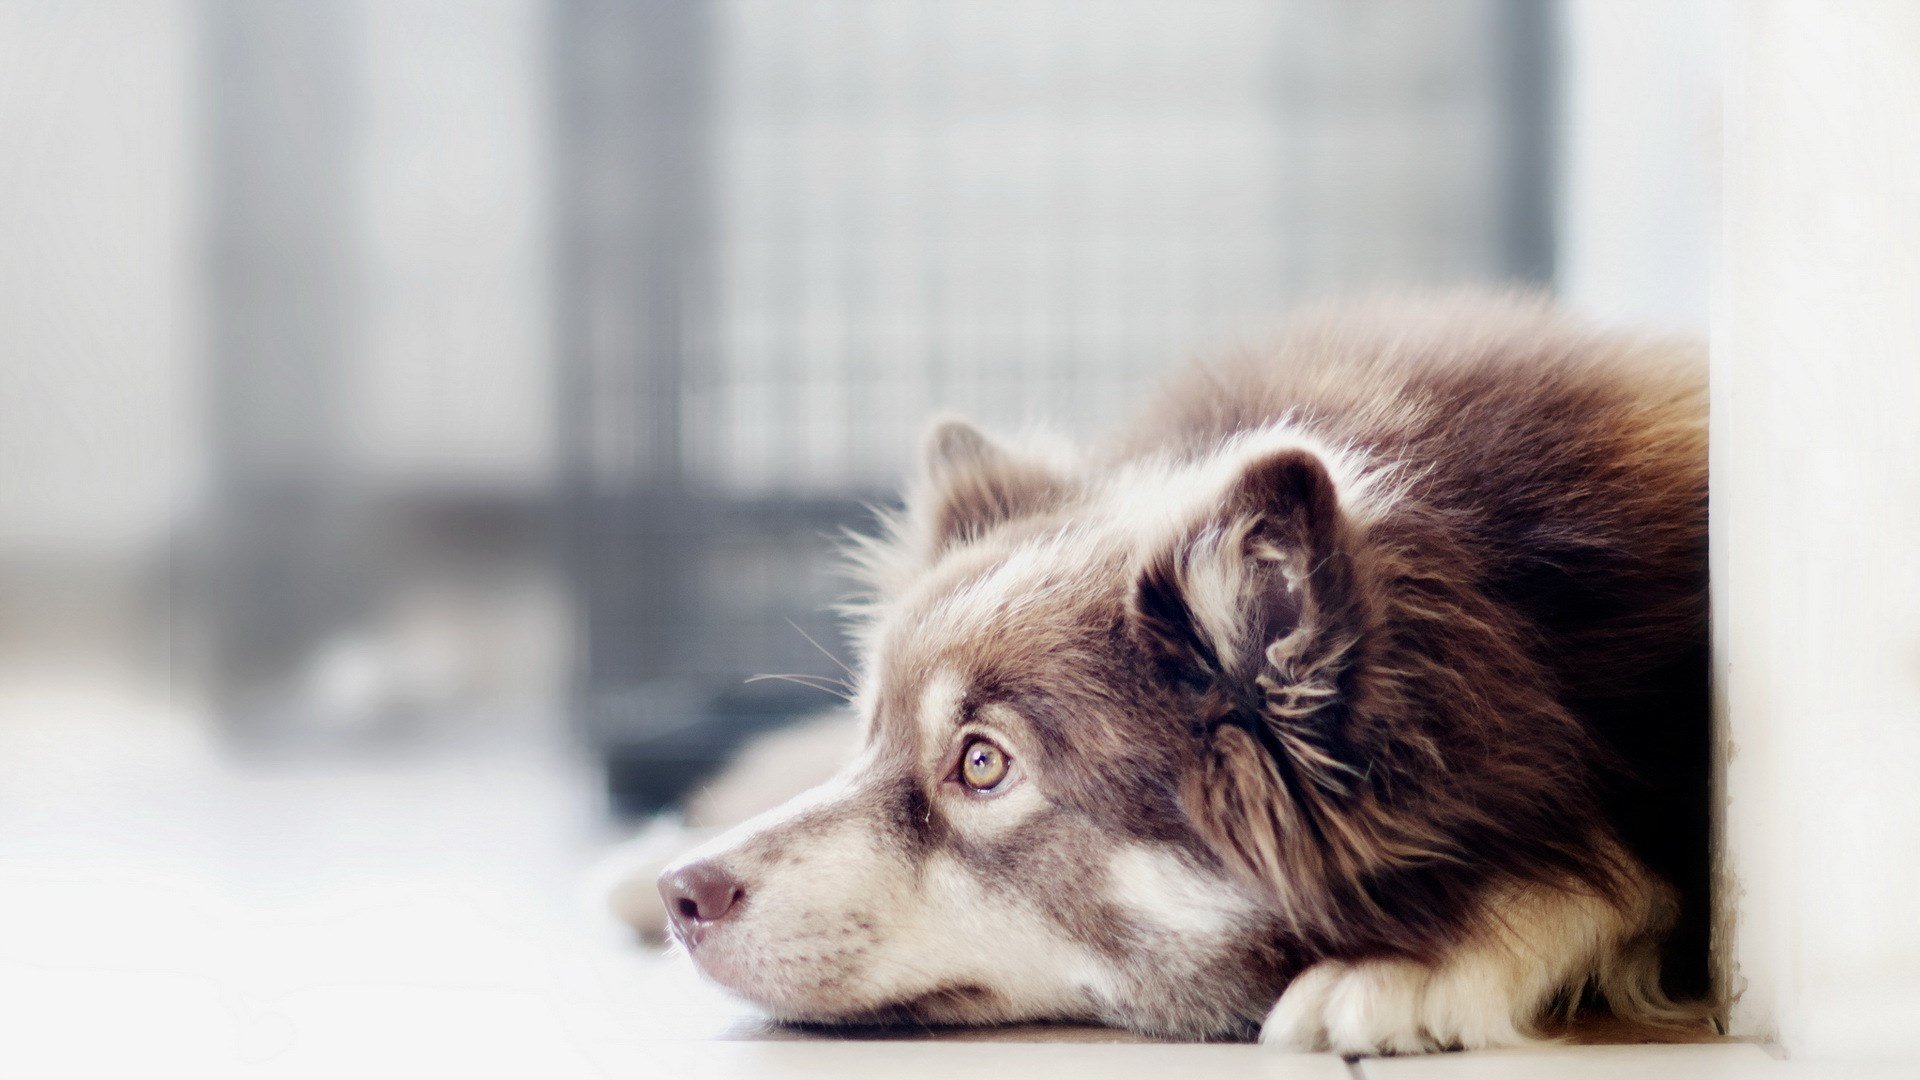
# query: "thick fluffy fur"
(1355, 700)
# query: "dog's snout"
(700, 894)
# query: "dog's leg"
(1539, 947)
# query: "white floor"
(165, 913)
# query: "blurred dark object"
(285, 546)
(680, 589)
(788, 233)
(666, 738)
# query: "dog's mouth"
(824, 992)
(719, 965)
(788, 987)
(707, 947)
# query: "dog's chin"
(808, 998)
(733, 973)
(787, 992)
(959, 1005)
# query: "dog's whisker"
(824, 651)
(806, 681)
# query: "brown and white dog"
(1356, 700)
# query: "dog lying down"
(1353, 700)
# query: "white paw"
(1473, 1004)
(1370, 1007)
(1389, 1007)
(1298, 1019)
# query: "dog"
(1352, 700)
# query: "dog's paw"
(1370, 1007)
(1392, 1007)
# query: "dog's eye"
(983, 765)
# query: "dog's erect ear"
(1269, 564)
(972, 483)
(968, 485)
(1259, 607)
(1257, 613)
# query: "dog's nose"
(700, 894)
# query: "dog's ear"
(1258, 610)
(1257, 616)
(971, 483)
(1268, 567)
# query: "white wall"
(97, 301)
(1032, 212)
(102, 415)
(1816, 511)
(454, 387)
(1638, 155)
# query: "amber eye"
(983, 765)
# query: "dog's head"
(1099, 710)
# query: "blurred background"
(418, 417)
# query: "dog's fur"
(1355, 700)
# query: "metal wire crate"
(790, 231)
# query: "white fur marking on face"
(1169, 893)
(981, 819)
(1022, 580)
(968, 934)
(843, 921)
(838, 789)
(939, 708)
